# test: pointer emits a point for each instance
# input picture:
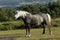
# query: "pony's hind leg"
(43, 25)
(49, 28)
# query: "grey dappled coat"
(36, 19)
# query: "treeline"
(7, 14)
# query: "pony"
(36, 19)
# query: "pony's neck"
(24, 19)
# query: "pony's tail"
(49, 24)
(48, 17)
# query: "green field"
(36, 33)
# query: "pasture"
(36, 33)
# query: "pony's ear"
(27, 14)
(17, 10)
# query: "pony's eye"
(15, 12)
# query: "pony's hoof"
(28, 35)
(43, 33)
(51, 33)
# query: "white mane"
(24, 12)
(21, 14)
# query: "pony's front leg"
(28, 31)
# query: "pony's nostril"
(13, 16)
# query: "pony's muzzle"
(14, 18)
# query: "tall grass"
(11, 25)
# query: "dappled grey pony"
(37, 19)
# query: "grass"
(10, 22)
(36, 34)
(11, 25)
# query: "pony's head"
(20, 14)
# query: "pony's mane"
(23, 11)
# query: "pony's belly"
(35, 22)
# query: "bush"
(11, 25)
(55, 23)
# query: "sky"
(19, 2)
